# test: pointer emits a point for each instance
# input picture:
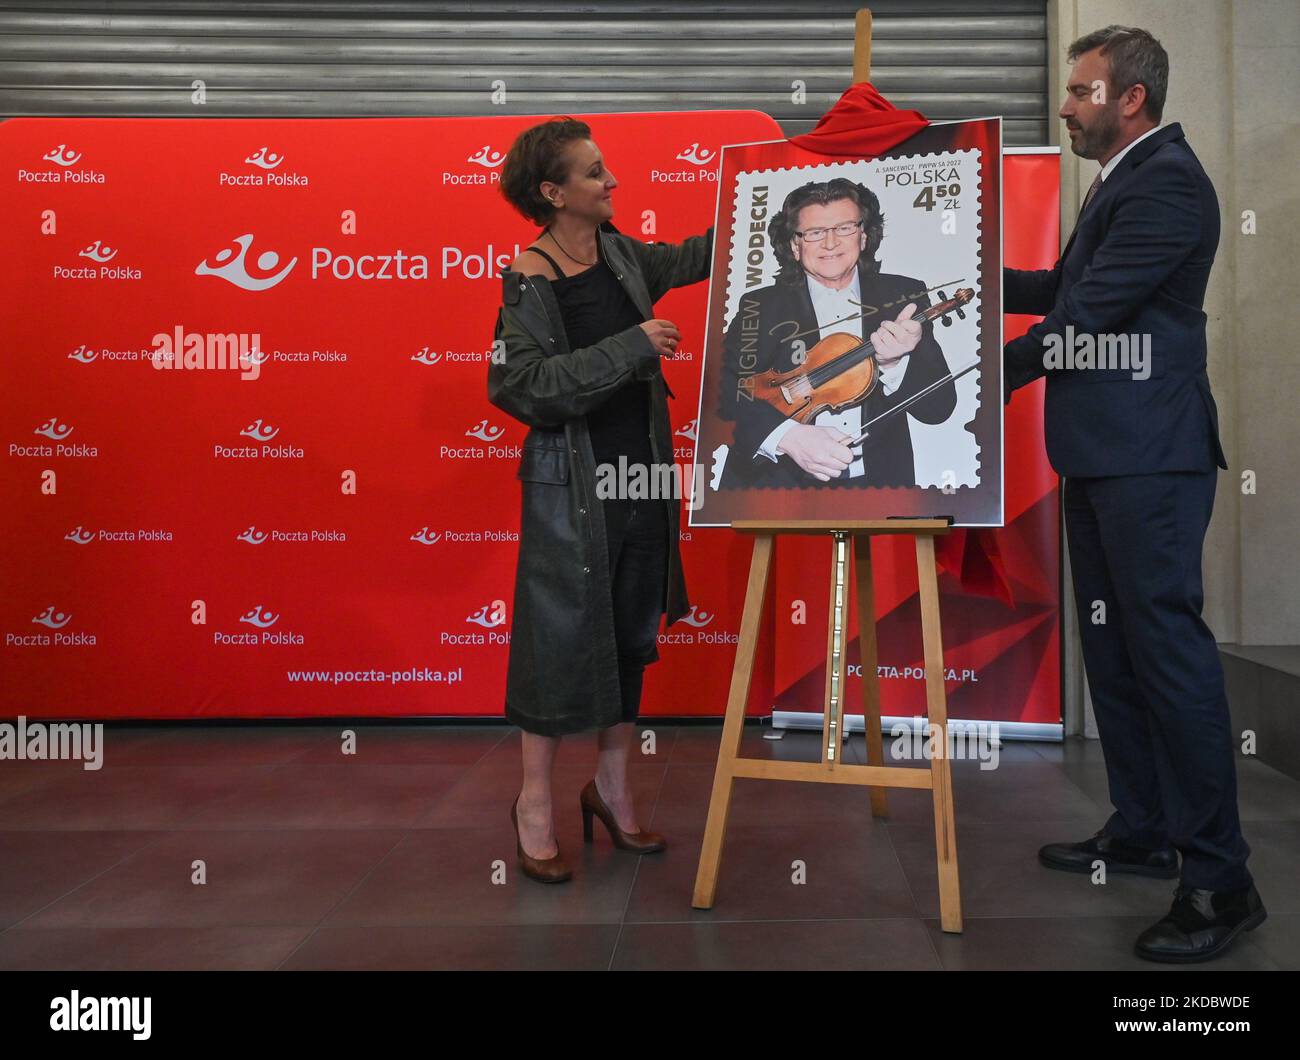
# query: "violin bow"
(951, 377)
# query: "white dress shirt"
(1109, 167)
(830, 306)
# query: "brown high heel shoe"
(545, 870)
(641, 842)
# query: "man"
(1136, 440)
(825, 237)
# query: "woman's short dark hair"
(538, 155)
(785, 222)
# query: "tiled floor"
(403, 856)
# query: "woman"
(577, 360)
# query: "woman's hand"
(663, 335)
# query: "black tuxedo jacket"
(1137, 265)
(887, 452)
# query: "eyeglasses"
(816, 235)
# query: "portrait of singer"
(826, 237)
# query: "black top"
(594, 306)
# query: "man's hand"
(820, 451)
(664, 336)
(894, 339)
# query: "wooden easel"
(831, 770)
(875, 776)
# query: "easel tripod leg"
(837, 633)
(868, 657)
(945, 828)
(742, 672)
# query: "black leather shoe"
(1201, 924)
(1118, 856)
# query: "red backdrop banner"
(337, 536)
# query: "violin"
(841, 369)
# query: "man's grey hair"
(1136, 58)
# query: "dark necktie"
(1092, 192)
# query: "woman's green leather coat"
(563, 671)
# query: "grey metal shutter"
(318, 58)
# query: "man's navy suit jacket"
(1137, 264)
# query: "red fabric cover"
(861, 124)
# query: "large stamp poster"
(852, 363)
